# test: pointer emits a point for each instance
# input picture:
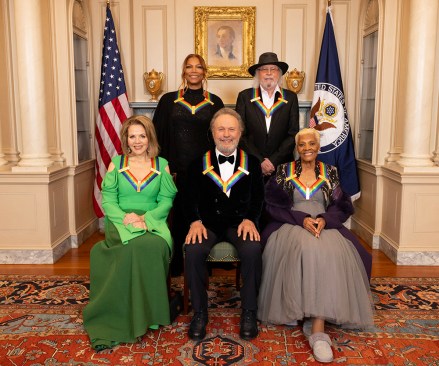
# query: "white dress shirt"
(268, 102)
(226, 169)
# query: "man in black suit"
(223, 201)
(270, 114)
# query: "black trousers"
(250, 254)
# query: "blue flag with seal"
(329, 115)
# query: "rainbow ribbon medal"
(139, 185)
(193, 108)
(225, 186)
(268, 112)
(307, 192)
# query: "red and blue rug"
(41, 324)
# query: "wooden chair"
(223, 252)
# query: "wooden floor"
(76, 261)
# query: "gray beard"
(226, 150)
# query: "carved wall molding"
(79, 19)
(372, 17)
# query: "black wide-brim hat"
(268, 58)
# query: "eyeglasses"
(270, 70)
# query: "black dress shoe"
(249, 325)
(197, 328)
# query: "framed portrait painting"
(225, 38)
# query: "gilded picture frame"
(225, 38)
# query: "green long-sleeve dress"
(128, 270)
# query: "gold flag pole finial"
(329, 2)
(108, 2)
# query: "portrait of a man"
(224, 43)
(225, 38)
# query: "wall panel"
(59, 210)
(26, 228)
(83, 181)
(365, 205)
(295, 38)
(420, 229)
(391, 207)
(153, 32)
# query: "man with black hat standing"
(270, 114)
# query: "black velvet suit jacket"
(205, 201)
(278, 145)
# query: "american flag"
(113, 109)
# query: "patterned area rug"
(41, 324)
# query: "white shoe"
(321, 347)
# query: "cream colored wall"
(365, 221)
(159, 34)
(409, 230)
(7, 90)
(435, 132)
(154, 37)
(393, 211)
(64, 136)
(419, 204)
(400, 186)
(49, 48)
(83, 220)
(45, 212)
(28, 205)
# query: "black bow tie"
(223, 159)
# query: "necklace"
(193, 108)
(306, 190)
(139, 184)
(262, 107)
(240, 173)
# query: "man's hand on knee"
(247, 227)
(197, 232)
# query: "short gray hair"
(307, 131)
(230, 112)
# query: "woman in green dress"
(128, 270)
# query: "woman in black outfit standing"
(182, 121)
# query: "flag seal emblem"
(329, 116)
(325, 114)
